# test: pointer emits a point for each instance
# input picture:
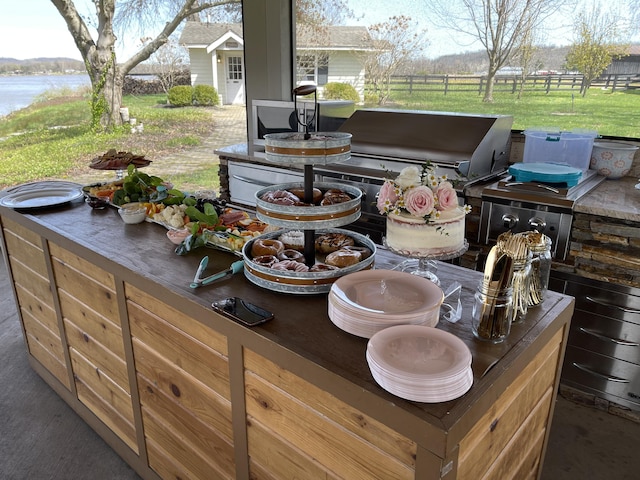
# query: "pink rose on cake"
(386, 197)
(419, 201)
(447, 196)
(418, 192)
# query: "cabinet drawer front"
(604, 374)
(606, 299)
(606, 336)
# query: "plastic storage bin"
(567, 148)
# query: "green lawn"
(608, 113)
(52, 139)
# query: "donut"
(266, 247)
(280, 197)
(290, 266)
(335, 199)
(333, 191)
(330, 242)
(299, 192)
(322, 267)
(291, 254)
(265, 260)
(343, 258)
(364, 251)
(293, 239)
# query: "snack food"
(364, 251)
(322, 267)
(343, 258)
(299, 192)
(330, 242)
(281, 197)
(333, 197)
(293, 239)
(265, 260)
(291, 254)
(291, 266)
(262, 247)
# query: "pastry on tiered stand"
(309, 252)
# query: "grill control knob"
(509, 220)
(537, 224)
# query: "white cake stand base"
(425, 265)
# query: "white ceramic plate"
(415, 350)
(38, 198)
(387, 292)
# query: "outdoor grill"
(524, 206)
(467, 148)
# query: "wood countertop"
(302, 335)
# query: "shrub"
(181, 95)
(205, 95)
(340, 91)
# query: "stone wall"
(605, 249)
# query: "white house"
(216, 56)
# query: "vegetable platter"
(207, 221)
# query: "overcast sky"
(34, 28)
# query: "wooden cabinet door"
(28, 264)
(89, 307)
(183, 380)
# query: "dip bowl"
(132, 213)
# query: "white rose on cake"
(424, 216)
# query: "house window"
(313, 68)
(234, 68)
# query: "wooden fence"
(506, 83)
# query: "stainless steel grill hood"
(474, 146)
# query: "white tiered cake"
(411, 236)
(423, 215)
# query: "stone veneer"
(605, 249)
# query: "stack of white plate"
(365, 302)
(420, 363)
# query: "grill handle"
(600, 375)
(611, 305)
(252, 181)
(600, 336)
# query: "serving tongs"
(235, 267)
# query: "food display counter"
(179, 391)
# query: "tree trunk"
(488, 92)
(106, 91)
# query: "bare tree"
(393, 43)
(170, 61)
(105, 73)
(501, 26)
(599, 39)
(111, 16)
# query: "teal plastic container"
(550, 173)
(565, 148)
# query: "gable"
(335, 37)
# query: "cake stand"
(425, 265)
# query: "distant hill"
(32, 66)
(475, 62)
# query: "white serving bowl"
(612, 159)
(132, 213)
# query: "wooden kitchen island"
(178, 391)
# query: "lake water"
(19, 91)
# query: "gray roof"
(200, 33)
(337, 36)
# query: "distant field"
(609, 113)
